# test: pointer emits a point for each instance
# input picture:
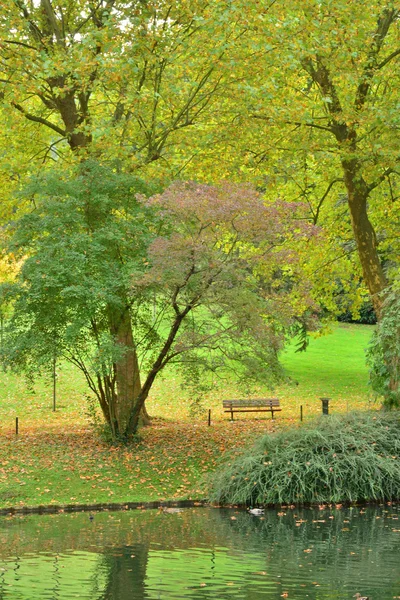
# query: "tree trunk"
(347, 138)
(364, 234)
(160, 362)
(127, 370)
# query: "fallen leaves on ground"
(75, 466)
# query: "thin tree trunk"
(102, 398)
(160, 362)
(127, 370)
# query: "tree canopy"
(122, 285)
(300, 102)
(302, 96)
(328, 104)
(117, 78)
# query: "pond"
(202, 553)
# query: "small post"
(16, 425)
(325, 405)
(209, 417)
(54, 382)
(1, 331)
(301, 412)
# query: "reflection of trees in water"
(344, 545)
(125, 569)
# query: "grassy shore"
(58, 458)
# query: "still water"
(202, 553)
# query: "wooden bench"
(257, 405)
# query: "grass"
(338, 360)
(58, 458)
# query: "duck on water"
(256, 511)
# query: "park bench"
(257, 405)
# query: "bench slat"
(254, 402)
(252, 405)
(253, 410)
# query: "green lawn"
(57, 457)
(332, 364)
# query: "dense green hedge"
(346, 458)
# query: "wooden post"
(16, 425)
(1, 332)
(209, 417)
(301, 412)
(54, 382)
(325, 405)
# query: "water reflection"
(202, 553)
(126, 569)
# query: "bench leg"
(231, 414)
(272, 415)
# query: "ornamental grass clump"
(346, 458)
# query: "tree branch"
(21, 44)
(313, 125)
(296, 123)
(379, 180)
(388, 59)
(328, 189)
(41, 120)
(35, 31)
(384, 22)
(322, 77)
(52, 22)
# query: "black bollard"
(325, 405)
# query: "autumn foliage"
(122, 284)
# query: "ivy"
(383, 354)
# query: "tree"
(215, 259)
(75, 256)
(103, 79)
(334, 102)
(121, 78)
(383, 354)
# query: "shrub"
(347, 458)
(366, 316)
(383, 354)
